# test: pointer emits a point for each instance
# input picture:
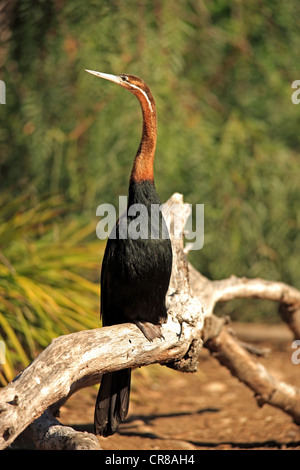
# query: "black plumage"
(136, 269)
(134, 281)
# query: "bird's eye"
(124, 78)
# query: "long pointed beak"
(106, 76)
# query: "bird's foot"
(149, 330)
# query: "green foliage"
(47, 277)
(221, 74)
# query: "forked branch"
(78, 360)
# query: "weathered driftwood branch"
(249, 371)
(212, 292)
(49, 434)
(77, 360)
(231, 353)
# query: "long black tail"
(112, 402)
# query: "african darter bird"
(135, 272)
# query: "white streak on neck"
(145, 95)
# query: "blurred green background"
(228, 137)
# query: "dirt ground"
(206, 410)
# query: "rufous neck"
(142, 169)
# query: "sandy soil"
(206, 410)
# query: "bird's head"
(136, 85)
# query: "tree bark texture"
(78, 360)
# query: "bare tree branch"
(230, 352)
(253, 374)
(210, 293)
(49, 434)
(77, 360)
